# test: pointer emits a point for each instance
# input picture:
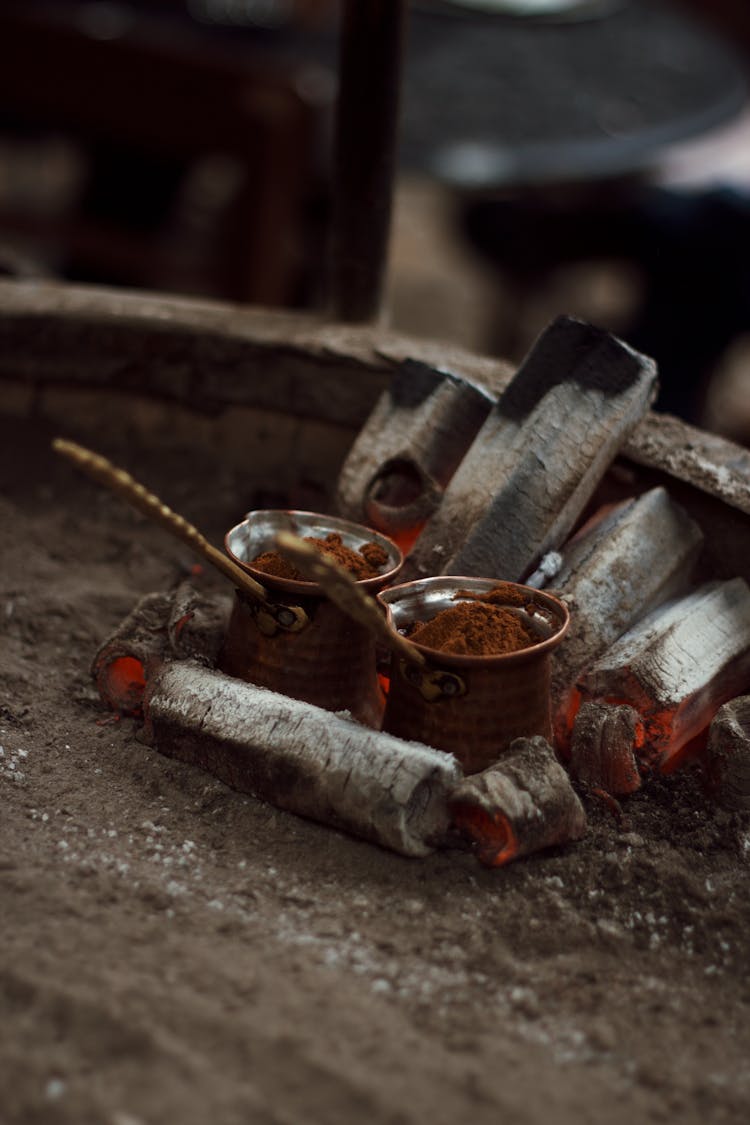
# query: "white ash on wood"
(410, 447)
(301, 758)
(728, 755)
(197, 623)
(521, 804)
(641, 554)
(603, 751)
(677, 667)
(539, 456)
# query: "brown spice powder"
(504, 593)
(366, 562)
(475, 629)
(374, 555)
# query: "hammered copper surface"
(505, 697)
(331, 661)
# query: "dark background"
(185, 145)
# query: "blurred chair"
(153, 102)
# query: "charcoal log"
(676, 668)
(603, 753)
(410, 447)
(728, 755)
(640, 554)
(521, 804)
(539, 456)
(301, 758)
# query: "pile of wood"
(649, 654)
(484, 486)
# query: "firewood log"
(301, 758)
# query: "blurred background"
(581, 156)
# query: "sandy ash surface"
(173, 951)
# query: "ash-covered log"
(301, 758)
(639, 555)
(182, 623)
(603, 752)
(539, 456)
(409, 448)
(521, 804)
(676, 668)
(728, 755)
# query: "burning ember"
(521, 804)
(485, 489)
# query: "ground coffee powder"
(366, 562)
(478, 627)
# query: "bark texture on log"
(677, 667)
(728, 755)
(603, 753)
(710, 463)
(523, 803)
(539, 456)
(639, 556)
(305, 760)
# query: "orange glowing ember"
(181, 623)
(492, 836)
(563, 724)
(122, 683)
(406, 537)
(671, 737)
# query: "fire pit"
(699, 477)
(557, 961)
(484, 968)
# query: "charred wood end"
(521, 804)
(119, 665)
(181, 623)
(603, 751)
(728, 755)
(591, 357)
(677, 667)
(410, 447)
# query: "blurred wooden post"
(370, 56)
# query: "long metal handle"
(342, 589)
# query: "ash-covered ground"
(174, 951)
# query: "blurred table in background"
(598, 92)
(552, 134)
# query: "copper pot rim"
(318, 524)
(483, 585)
